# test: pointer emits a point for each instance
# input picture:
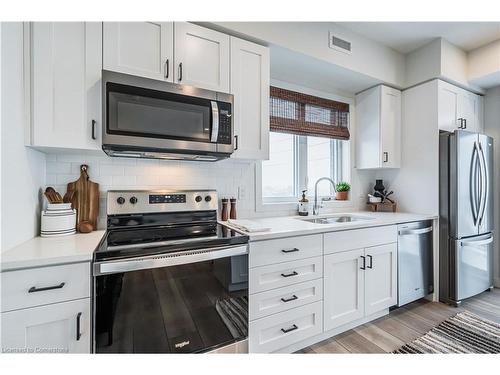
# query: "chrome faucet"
(316, 207)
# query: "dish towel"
(248, 226)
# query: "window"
(309, 139)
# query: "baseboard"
(326, 335)
(496, 282)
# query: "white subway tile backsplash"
(121, 173)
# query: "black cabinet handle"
(292, 328)
(167, 68)
(461, 126)
(363, 267)
(292, 298)
(465, 124)
(294, 273)
(93, 129)
(180, 72)
(34, 289)
(286, 251)
(235, 142)
(78, 333)
(386, 157)
(371, 261)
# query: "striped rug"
(462, 333)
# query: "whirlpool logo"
(182, 344)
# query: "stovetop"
(138, 242)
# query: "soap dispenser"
(303, 204)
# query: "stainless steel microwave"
(147, 118)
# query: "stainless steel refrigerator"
(466, 215)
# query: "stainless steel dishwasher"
(415, 261)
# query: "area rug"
(462, 333)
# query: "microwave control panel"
(225, 123)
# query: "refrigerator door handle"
(484, 184)
(478, 243)
(473, 185)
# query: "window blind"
(297, 113)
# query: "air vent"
(339, 44)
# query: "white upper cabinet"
(250, 86)
(140, 48)
(458, 109)
(378, 124)
(201, 57)
(66, 67)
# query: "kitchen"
(248, 187)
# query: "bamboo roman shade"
(296, 113)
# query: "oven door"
(141, 113)
(189, 302)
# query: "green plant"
(342, 186)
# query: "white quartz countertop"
(39, 251)
(297, 226)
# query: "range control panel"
(167, 198)
(156, 201)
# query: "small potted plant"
(341, 190)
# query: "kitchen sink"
(337, 219)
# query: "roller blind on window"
(297, 113)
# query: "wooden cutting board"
(86, 199)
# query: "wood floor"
(405, 324)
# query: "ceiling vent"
(338, 43)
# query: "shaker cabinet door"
(250, 87)
(57, 328)
(380, 278)
(343, 288)
(66, 84)
(201, 57)
(143, 49)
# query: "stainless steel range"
(168, 278)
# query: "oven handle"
(215, 122)
(167, 260)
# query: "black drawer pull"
(34, 289)
(286, 251)
(78, 333)
(294, 273)
(292, 328)
(292, 298)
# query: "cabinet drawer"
(286, 298)
(359, 238)
(41, 286)
(281, 330)
(285, 249)
(284, 274)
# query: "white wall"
(484, 65)
(492, 128)
(22, 169)
(311, 38)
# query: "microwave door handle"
(215, 122)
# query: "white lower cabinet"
(380, 278)
(278, 331)
(343, 288)
(359, 283)
(56, 328)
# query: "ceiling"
(408, 36)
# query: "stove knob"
(120, 200)
(198, 198)
(208, 198)
(133, 200)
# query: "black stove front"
(169, 282)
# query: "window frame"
(286, 204)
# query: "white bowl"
(375, 199)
